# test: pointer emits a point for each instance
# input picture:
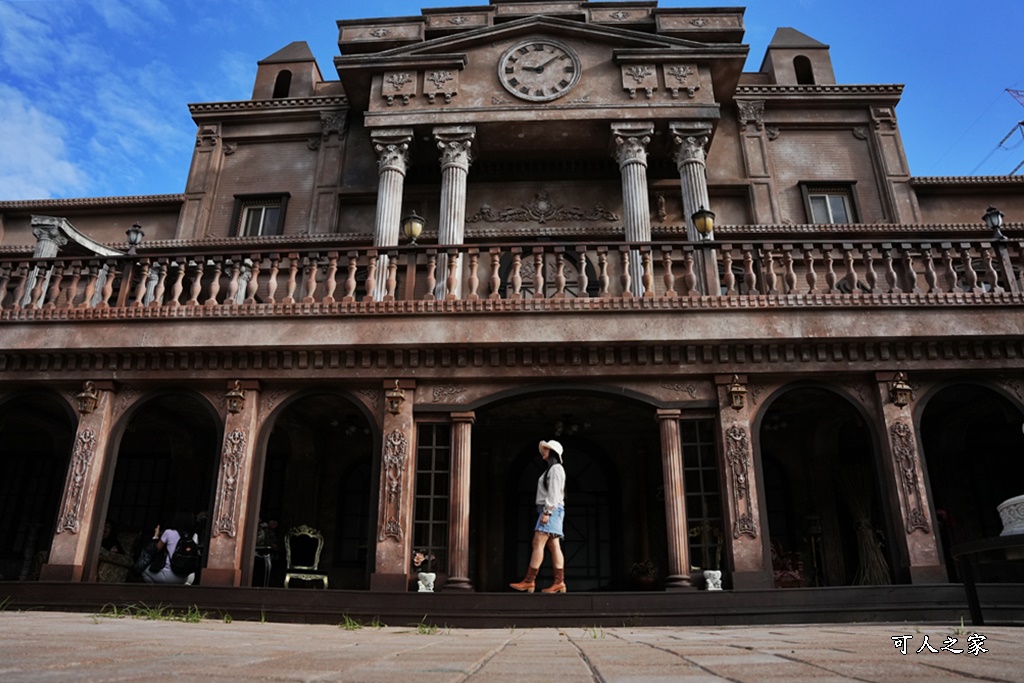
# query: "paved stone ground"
(48, 646)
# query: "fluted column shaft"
(675, 501)
(458, 529)
(392, 147)
(629, 147)
(689, 144)
(455, 143)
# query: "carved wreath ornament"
(541, 210)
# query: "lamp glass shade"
(993, 218)
(412, 226)
(704, 221)
(135, 235)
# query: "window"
(703, 499)
(830, 204)
(433, 455)
(283, 84)
(804, 72)
(257, 216)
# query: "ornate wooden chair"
(302, 547)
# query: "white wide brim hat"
(553, 445)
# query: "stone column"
(455, 143)
(629, 147)
(72, 552)
(675, 501)
(689, 141)
(741, 507)
(917, 546)
(392, 147)
(236, 483)
(397, 487)
(49, 240)
(458, 526)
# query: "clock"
(539, 70)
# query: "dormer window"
(831, 204)
(283, 84)
(803, 69)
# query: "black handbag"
(151, 557)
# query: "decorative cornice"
(919, 181)
(800, 92)
(91, 202)
(260, 105)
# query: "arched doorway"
(974, 453)
(615, 513)
(318, 473)
(36, 434)
(826, 516)
(166, 464)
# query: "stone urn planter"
(1011, 511)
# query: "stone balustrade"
(527, 276)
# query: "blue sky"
(94, 93)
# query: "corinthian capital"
(629, 142)
(392, 147)
(688, 142)
(456, 145)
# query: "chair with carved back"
(302, 547)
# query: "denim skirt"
(555, 521)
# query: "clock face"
(539, 70)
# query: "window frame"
(841, 188)
(243, 202)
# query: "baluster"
(559, 273)
(178, 285)
(689, 275)
(647, 273)
(310, 265)
(870, 276)
(991, 275)
(391, 282)
(370, 286)
(36, 295)
(332, 274)
(5, 278)
(538, 274)
(293, 279)
(909, 271)
(431, 275)
(161, 280)
(890, 271)
(495, 292)
(771, 279)
(253, 286)
(970, 275)
(350, 279)
(830, 271)
(582, 279)
(517, 274)
(236, 270)
(72, 291)
(19, 291)
(728, 277)
(851, 279)
(93, 274)
(140, 289)
(474, 277)
(930, 277)
(56, 276)
(626, 278)
(789, 274)
(749, 278)
(108, 285)
(603, 279)
(218, 269)
(669, 277)
(810, 276)
(275, 268)
(452, 281)
(1020, 260)
(948, 270)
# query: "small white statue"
(426, 580)
(713, 579)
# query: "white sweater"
(552, 495)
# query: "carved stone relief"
(541, 209)
(440, 82)
(640, 77)
(81, 461)
(397, 86)
(333, 122)
(394, 470)
(231, 465)
(738, 455)
(751, 111)
(688, 388)
(682, 77)
(440, 393)
(905, 454)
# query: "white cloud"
(34, 161)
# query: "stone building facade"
(826, 389)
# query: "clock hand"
(540, 68)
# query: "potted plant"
(644, 574)
(422, 563)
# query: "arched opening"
(282, 84)
(615, 510)
(36, 435)
(827, 523)
(166, 464)
(803, 69)
(974, 452)
(318, 473)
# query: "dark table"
(988, 550)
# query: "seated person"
(181, 526)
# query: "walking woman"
(551, 516)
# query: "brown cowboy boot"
(559, 583)
(529, 583)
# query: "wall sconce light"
(395, 398)
(235, 398)
(704, 221)
(87, 399)
(135, 236)
(994, 220)
(899, 391)
(412, 226)
(737, 394)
